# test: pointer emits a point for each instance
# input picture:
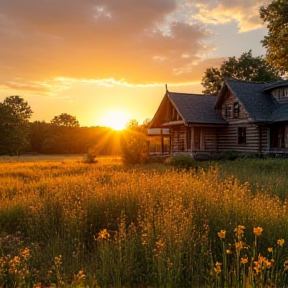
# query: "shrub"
(90, 157)
(134, 146)
(184, 161)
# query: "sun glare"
(116, 119)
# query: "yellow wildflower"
(270, 249)
(280, 242)
(222, 234)
(286, 265)
(244, 260)
(257, 231)
(217, 267)
(239, 231)
(25, 253)
(103, 234)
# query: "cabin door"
(277, 137)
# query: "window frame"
(236, 109)
(228, 111)
(242, 136)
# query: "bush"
(134, 146)
(90, 157)
(184, 161)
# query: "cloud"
(245, 12)
(143, 41)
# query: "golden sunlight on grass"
(116, 119)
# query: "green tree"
(14, 125)
(65, 120)
(246, 67)
(134, 143)
(276, 42)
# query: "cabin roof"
(196, 108)
(206, 109)
(257, 100)
(274, 85)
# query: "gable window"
(228, 111)
(241, 135)
(236, 109)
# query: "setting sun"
(116, 119)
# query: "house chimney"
(166, 87)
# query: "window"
(228, 112)
(283, 93)
(241, 135)
(236, 109)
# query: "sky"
(107, 61)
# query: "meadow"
(65, 223)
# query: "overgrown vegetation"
(109, 225)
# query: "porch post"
(202, 143)
(192, 140)
(268, 139)
(162, 142)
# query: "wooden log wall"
(178, 138)
(210, 139)
(229, 102)
(228, 139)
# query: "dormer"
(279, 90)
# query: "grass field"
(67, 223)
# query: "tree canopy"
(246, 67)
(14, 126)
(276, 42)
(65, 120)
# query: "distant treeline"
(46, 138)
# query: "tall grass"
(108, 225)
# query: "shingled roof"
(196, 109)
(257, 100)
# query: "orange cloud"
(143, 41)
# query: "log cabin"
(244, 117)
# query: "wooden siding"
(210, 139)
(228, 139)
(230, 99)
(187, 139)
(178, 139)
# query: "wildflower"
(217, 267)
(103, 234)
(286, 265)
(257, 266)
(268, 264)
(239, 231)
(228, 251)
(222, 234)
(240, 245)
(270, 249)
(244, 260)
(257, 231)
(58, 260)
(25, 253)
(280, 242)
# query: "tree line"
(62, 135)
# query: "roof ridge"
(192, 94)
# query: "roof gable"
(192, 108)
(196, 108)
(256, 99)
